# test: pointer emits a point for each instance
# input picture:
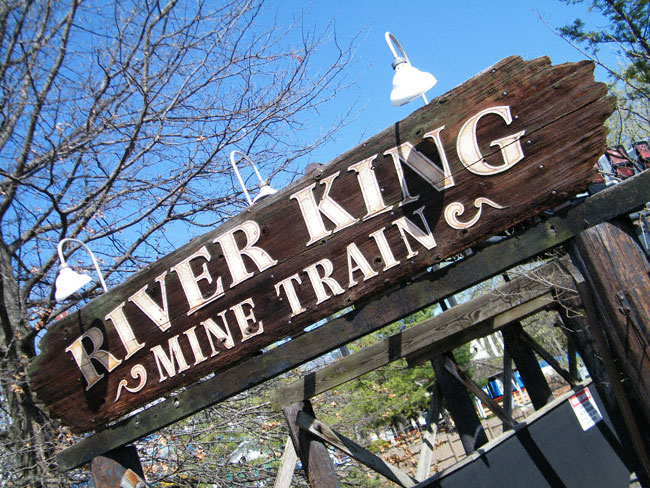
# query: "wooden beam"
(531, 373)
(456, 326)
(382, 310)
(354, 450)
(316, 461)
(287, 466)
(460, 405)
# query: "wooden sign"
(519, 138)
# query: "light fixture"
(265, 188)
(408, 81)
(68, 280)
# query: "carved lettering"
(358, 262)
(290, 292)
(470, 154)
(311, 211)
(246, 320)
(406, 226)
(124, 331)
(167, 362)
(190, 282)
(224, 336)
(158, 315)
(233, 254)
(370, 189)
(407, 154)
(83, 358)
(319, 282)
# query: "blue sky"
(452, 40)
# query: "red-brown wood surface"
(618, 273)
(560, 108)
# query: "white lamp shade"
(68, 281)
(265, 191)
(409, 83)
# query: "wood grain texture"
(560, 108)
(381, 310)
(618, 273)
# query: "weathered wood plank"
(481, 329)
(316, 461)
(509, 143)
(354, 450)
(384, 309)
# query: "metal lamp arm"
(90, 253)
(241, 181)
(390, 39)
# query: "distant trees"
(627, 35)
(116, 119)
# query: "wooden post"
(616, 270)
(531, 373)
(119, 468)
(315, 459)
(460, 405)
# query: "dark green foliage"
(624, 33)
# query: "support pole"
(460, 405)
(507, 387)
(531, 373)
(119, 468)
(354, 450)
(312, 452)
(573, 361)
(616, 270)
(425, 459)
